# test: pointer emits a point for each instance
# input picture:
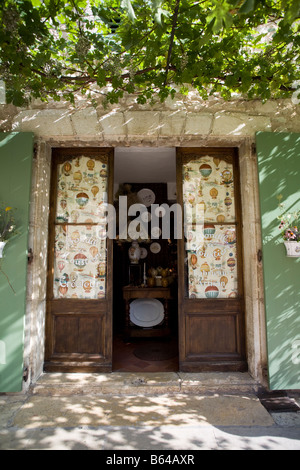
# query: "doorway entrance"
(145, 306)
(169, 295)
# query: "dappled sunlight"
(279, 169)
(179, 410)
(139, 423)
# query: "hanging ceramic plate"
(144, 253)
(146, 312)
(146, 196)
(155, 248)
(155, 232)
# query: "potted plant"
(7, 226)
(290, 231)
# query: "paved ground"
(156, 412)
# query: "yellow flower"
(8, 209)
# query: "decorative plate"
(146, 196)
(155, 248)
(144, 253)
(155, 232)
(146, 312)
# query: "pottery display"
(134, 253)
(151, 282)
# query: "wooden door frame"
(80, 362)
(198, 364)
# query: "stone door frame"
(253, 273)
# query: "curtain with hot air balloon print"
(210, 230)
(80, 229)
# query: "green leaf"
(247, 7)
(126, 4)
(159, 12)
(292, 11)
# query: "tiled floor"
(124, 359)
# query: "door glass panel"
(210, 228)
(80, 251)
(82, 189)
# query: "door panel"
(211, 305)
(79, 298)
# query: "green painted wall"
(279, 173)
(16, 150)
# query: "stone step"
(122, 383)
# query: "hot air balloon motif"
(101, 269)
(201, 207)
(61, 265)
(95, 190)
(187, 176)
(63, 290)
(209, 231)
(87, 286)
(103, 173)
(228, 201)
(205, 170)
(217, 254)
(230, 237)
(224, 282)
(194, 260)
(191, 198)
(60, 245)
(80, 261)
(65, 278)
(67, 168)
(231, 263)
(63, 204)
(227, 177)
(75, 237)
(202, 252)
(217, 162)
(74, 278)
(82, 199)
(205, 268)
(94, 251)
(214, 193)
(89, 224)
(220, 218)
(101, 294)
(75, 216)
(211, 292)
(77, 176)
(232, 295)
(91, 165)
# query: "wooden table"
(133, 292)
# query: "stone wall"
(183, 117)
(185, 122)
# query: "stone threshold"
(131, 383)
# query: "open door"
(79, 294)
(211, 302)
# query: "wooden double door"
(79, 324)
